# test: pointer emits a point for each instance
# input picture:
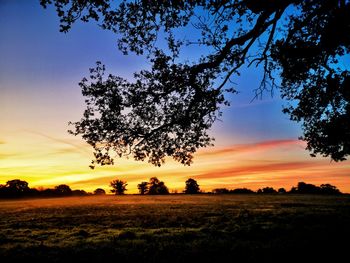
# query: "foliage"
(267, 190)
(192, 187)
(241, 191)
(304, 188)
(18, 188)
(169, 108)
(99, 191)
(118, 186)
(282, 191)
(157, 187)
(17, 185)
(143, 188)
(329, 189)
(63, 189)
(301, 188)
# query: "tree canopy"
(157, 187)
(63, 189)
(17, 185)
(143, 187)
(191, 187)
(118, 186)
(99, 191)
(169, 107)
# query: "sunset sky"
(256, 145)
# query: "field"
(176, 228)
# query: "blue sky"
(39, 94)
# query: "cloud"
(80, 148)
(6, 155)
(68, 150)
(259, 146)
(258, 169)
(2, 142)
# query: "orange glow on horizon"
(39, 95)
(47, 161)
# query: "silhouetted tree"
(267, 190)
(169, 108)
(2, 189)
(293, 190)
(99, 191)
(157, 187)
(282, 190)
(191, 187)
(304, 188)
(241, 191)
(329, 189)
(63, 190)
(17, 186)
(143, 187)
(118, 186)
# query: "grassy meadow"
(176, 228)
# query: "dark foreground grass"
(177, 228)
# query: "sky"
(40, 68)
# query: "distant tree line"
(17, 188)
(157, 187)
(153, 187)
(301, 188)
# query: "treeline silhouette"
(18, 189)
(301, 188)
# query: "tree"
(157, 187)
(304, 188)
(241, 191)
(282, 191)
(99, 191)
(118, 186)
(143, 187)
(267, 190)
(14, 188)
(329, 189)
(293, 190)
(63, 189)
(192, 187)
(169, 108)
(17, 186)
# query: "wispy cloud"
(258, 169)
(81, 148)
(6, 155)
(2, 142)
(258, 146)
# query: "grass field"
(176, 228)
